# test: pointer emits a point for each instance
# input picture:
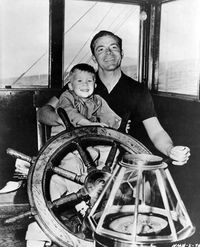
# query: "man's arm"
(47, 114)
(164, 143)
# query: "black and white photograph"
(99, 123)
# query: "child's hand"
(99, 124)
(86, 122)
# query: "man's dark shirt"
(128, 97)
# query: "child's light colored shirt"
(94, 109)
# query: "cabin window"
(83, 19)
(179, 62)
(24, 32)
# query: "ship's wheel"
(56, 217)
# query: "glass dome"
(139, 204)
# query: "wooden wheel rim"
(36, 178)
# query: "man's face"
(107, 53)
(82, 83)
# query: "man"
(124, 95)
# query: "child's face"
(82, 83)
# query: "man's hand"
(180, 155)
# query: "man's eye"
(101, 49)
(114, 47)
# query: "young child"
(81, 105)
(83, 109)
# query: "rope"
(73, 25)
(89, 38)
(114, 30)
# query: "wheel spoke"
(69, 175)
(72, 198)
(63, 115)
(86, 158)
(111, 157)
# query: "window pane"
(180, 47)
(84, 19)
(24, 43)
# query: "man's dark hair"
(83, 67)
(102, 34)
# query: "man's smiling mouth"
(110, 59)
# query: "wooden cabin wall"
(18, 128)
(179, 117)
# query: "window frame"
(155, 15)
